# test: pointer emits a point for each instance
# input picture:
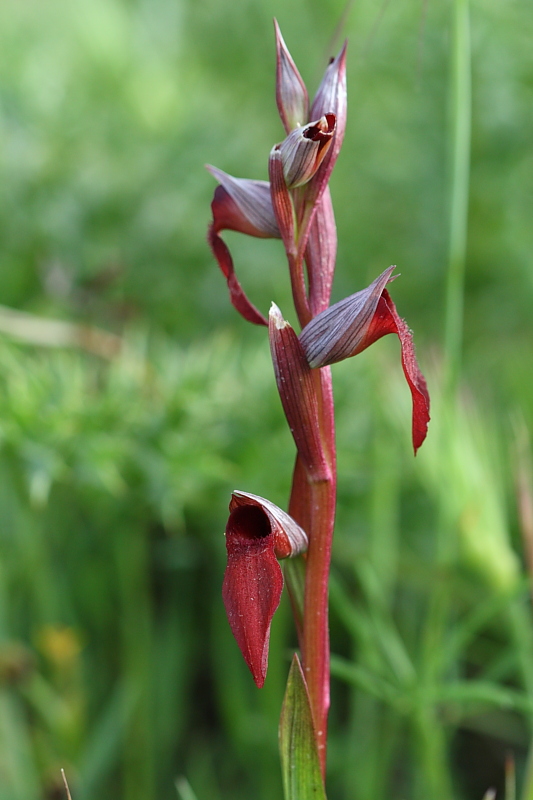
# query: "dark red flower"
(353, 324)
(258, 533)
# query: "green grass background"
(116, 661)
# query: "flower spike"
(257, 534)
(350, 326)
(291, 95)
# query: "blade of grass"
(460, 134)
(369, 682)
(434, 773)
(300, 765)
(136, 648)
(484, 693)
(184, 790)
(66, 784)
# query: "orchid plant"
(295, 206)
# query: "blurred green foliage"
(116, 662)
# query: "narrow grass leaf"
(67, 790)
(484, 693)
(368, 682)
(300, 765)
(184, 790)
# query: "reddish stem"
(314, 503)
(314, 500)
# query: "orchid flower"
(352, 325)
(295, 206)
(258, 533)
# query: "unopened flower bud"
(304, 148)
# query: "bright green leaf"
(300, 766)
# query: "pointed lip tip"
(259, 680)
(417, 447)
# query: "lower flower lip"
(257, 534)
(251, 591)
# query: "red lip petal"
(386, 320)
(251, 591)
(222, 219)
